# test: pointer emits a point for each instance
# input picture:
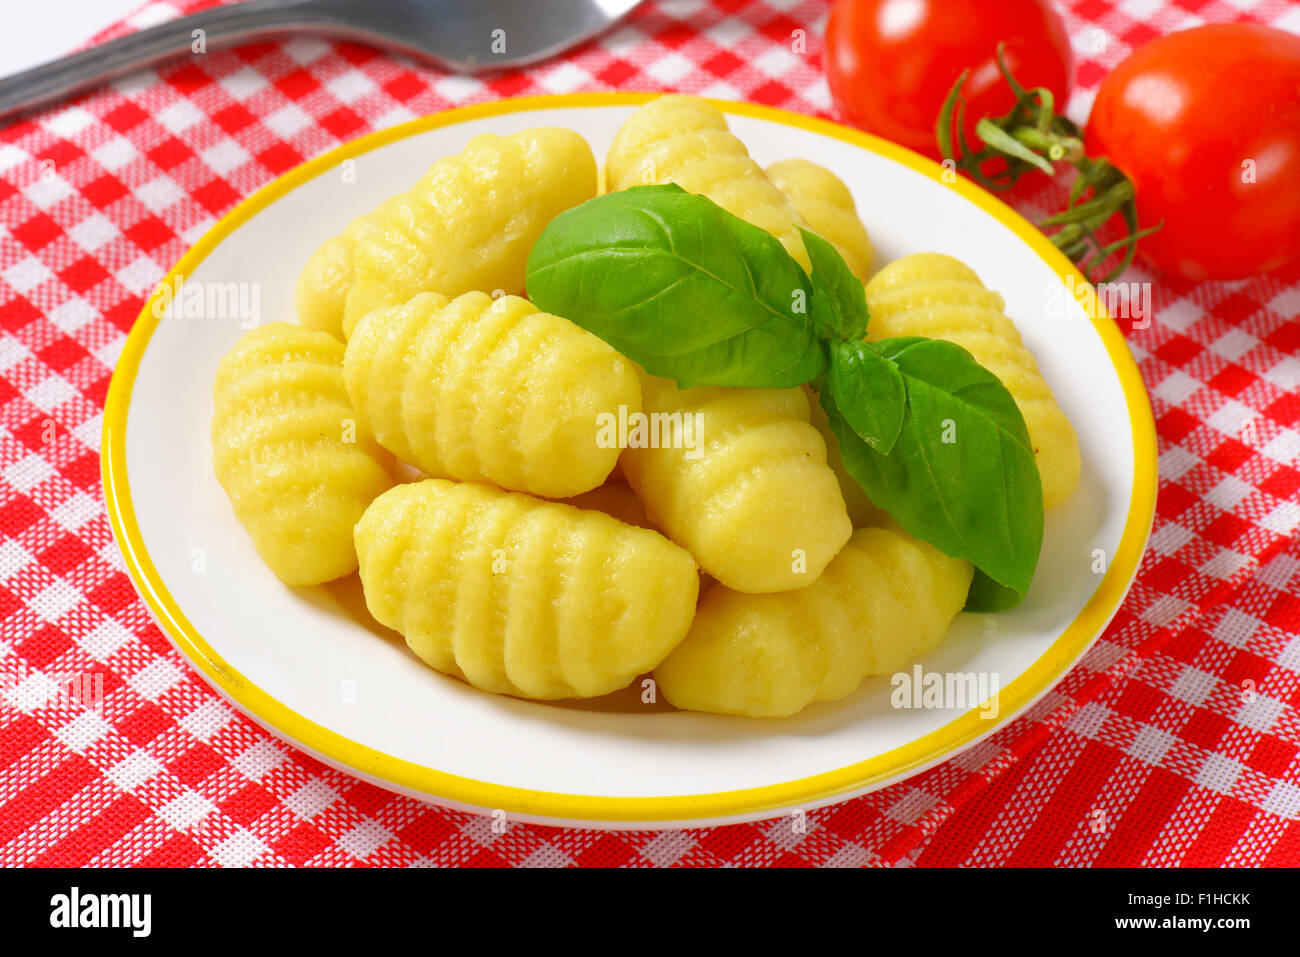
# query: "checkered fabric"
(1173, 742)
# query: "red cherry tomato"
(1206, 123)
(891, 63)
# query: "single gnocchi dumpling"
(323, 284)
(616, 498)
(471, 221)
(297, 462)
(827, 205)
(739, 478)
(685, 140)
(884, 600)
(491, 390)
(519, 596)
(929, 294)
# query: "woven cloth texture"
(1173, 742)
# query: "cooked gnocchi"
(685, 140)
(929, 294)
(520, 596)
(296, 461)
(469, 223)
(826, 204)
(490, 390)
(323, 284)
(754, 501)
(885, 599)
(536, 556)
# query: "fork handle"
(223, 25)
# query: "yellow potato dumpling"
(685, 140)
(929, 294)
(754, 500)
(471, 221)
(519, 596)
(826, 203)
(292, 454)
(616, 498)
(323, 284)
(490, 390)
(885, 599)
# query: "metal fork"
(465, 36)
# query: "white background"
(39, 30)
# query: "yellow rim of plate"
(331, 746)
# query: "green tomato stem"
(1033, 136)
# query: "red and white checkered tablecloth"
(1174, 742)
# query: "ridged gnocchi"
(929, 294)
(823, 200)
(491, 390)
(471, 220)
(522, 597)
(885, 599)
(754, 501)
(573, 509)
(297, 463)
(685, 140)
(323, 284)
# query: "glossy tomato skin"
(1189, 117)
(891, 63)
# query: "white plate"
(308, 666)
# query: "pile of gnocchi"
(424, 424)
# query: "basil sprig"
(868, 391)
(696, 294)
(961, 473)
(839, 303)
(681, 286)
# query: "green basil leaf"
(680, 286)
(839, 300)
(869, 392)
(962, 474)
(987, 595)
